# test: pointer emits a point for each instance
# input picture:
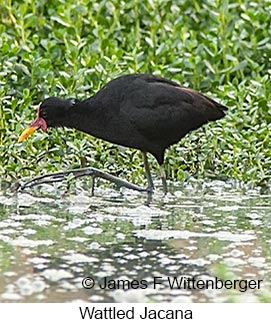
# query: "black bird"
(140, 111)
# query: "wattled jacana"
(140, 111)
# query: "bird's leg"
(93, 185)
(148, 173)
(163, 178)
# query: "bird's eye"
(43, 114)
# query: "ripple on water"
(184, 234)
(23, 287)
(76, 258)
(55, 275)
(25, 242)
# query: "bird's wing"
(162, 109)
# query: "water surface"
(51, 238)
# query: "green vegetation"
(71, 48)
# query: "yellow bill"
(27, 132)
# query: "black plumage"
(140, 111)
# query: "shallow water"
(50, 239)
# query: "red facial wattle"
(39, 122)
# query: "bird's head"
(52, 112)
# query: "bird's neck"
(83, 117)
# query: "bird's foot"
(88, 171)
